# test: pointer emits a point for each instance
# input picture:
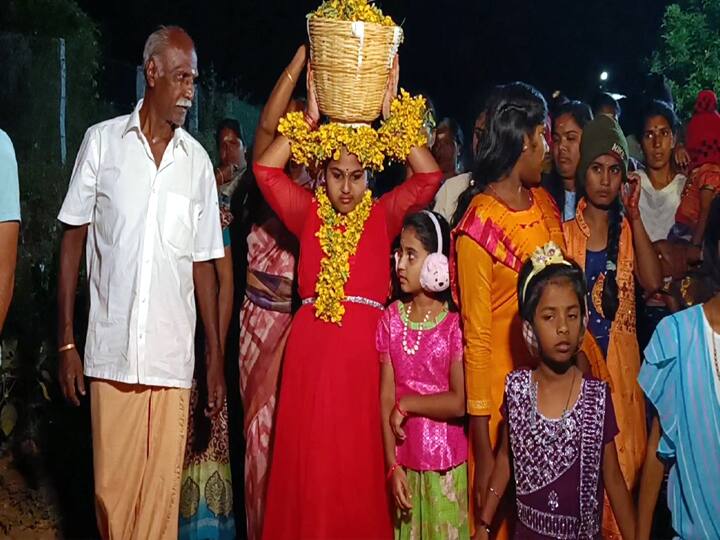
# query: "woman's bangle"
(391, 471)
(222, 176)
(68, 347)
(485, 525)
(289, 76)
(492, 491)
(404, 414)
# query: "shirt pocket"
(177, 226)
(107, 343)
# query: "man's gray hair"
(158, 41)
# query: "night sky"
(453, 49)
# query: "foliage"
(30, 81)
(690, 52)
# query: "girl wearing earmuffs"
(423, 388)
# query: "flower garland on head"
(339, 237)
(403, 130)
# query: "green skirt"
(440, 506)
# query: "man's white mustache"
(184, 102)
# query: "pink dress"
(429, 445)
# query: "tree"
(690, 52)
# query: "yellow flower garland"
(353, 10)
(402, 131)
(339, 236)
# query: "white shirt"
(658, 206)
(447, 196)
(147, 225)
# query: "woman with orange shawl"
(502, 217)
(608, 240)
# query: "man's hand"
(70, 376)
(215, 385)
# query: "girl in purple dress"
(423, 389)
(560, 425)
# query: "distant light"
(604, 76)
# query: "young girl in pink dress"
(423, 389)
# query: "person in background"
(661, 188)
(703, 145)
(447, 196)
(681, 378)
(267, 307)
(568, 123)
(206, 511)
(9, 223)
(608, 240)
(448, 147)
(605, 103)
(143, 201)
(657, 88)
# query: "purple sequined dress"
(558, 462)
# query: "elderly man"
(9, 222)
(143, 201)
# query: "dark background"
(453, 49)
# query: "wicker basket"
(351, 62)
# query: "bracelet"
(392, 470)
(68, 347)
(289, 76)
(222, 176)
(404, 414)
(492, 491)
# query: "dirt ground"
(25, 513)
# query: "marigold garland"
(353, 10)
(403, 130)
(339, 236)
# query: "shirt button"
(144, 300)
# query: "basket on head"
(351, 61)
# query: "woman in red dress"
(327, 477)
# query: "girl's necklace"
(412, 350)
(562, 424)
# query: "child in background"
(560, 424)
(423, 389)
(703, 145)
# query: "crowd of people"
(526, 347)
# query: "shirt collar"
(180, 136)
(580, 217)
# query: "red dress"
(327, 477)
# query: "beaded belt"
(552, 525)
(352, 300)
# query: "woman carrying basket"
(327, 477)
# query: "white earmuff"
(435, 272)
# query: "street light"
(604, 76)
